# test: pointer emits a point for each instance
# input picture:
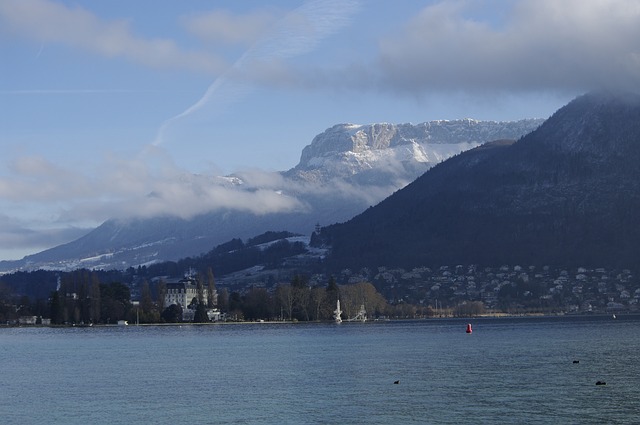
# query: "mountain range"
(568, 193)
(343, 171)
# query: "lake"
(509, 370)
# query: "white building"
(183, 292)
(27, 320)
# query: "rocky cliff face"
(344, 170)
(400, 151)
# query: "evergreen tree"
(57, 308)
(200, 315)
(223, 300)
(172, 314)
(200, 291)
(257, 304)
(95, 299)
(149, 312)
(333, 295)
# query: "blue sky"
(102, 103)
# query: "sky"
(122, 108)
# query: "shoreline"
(373, 321)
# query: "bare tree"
(284, 295)
(469, 309)
(353, 297)
(162, 292)
(318, 299)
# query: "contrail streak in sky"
(298, 32)
(77, 91)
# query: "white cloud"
(49, 22)
(298, 32)
(121, 187)
(35, 179)
(449, 46)
(18, 235)
(570, 45)
(21, 237)
(537, 45)
(222, 26)
(62, 203)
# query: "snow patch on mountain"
(345, 169)
(406, 150)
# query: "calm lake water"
(516, 371)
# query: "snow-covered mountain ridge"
(344, 170)
(565, 194)
(358, 138)
(405, 150)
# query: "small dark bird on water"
(601, 383)
(396, 382)
(576, 361)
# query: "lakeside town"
(506, 289)
(446, 291)
(518, 289)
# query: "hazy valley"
(544, 223)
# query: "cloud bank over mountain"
(537, 45)
(344, 170)
(89, 87)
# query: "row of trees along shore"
(81, 298)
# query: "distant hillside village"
(86, 297)
(510, 289)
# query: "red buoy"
(469, 330)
